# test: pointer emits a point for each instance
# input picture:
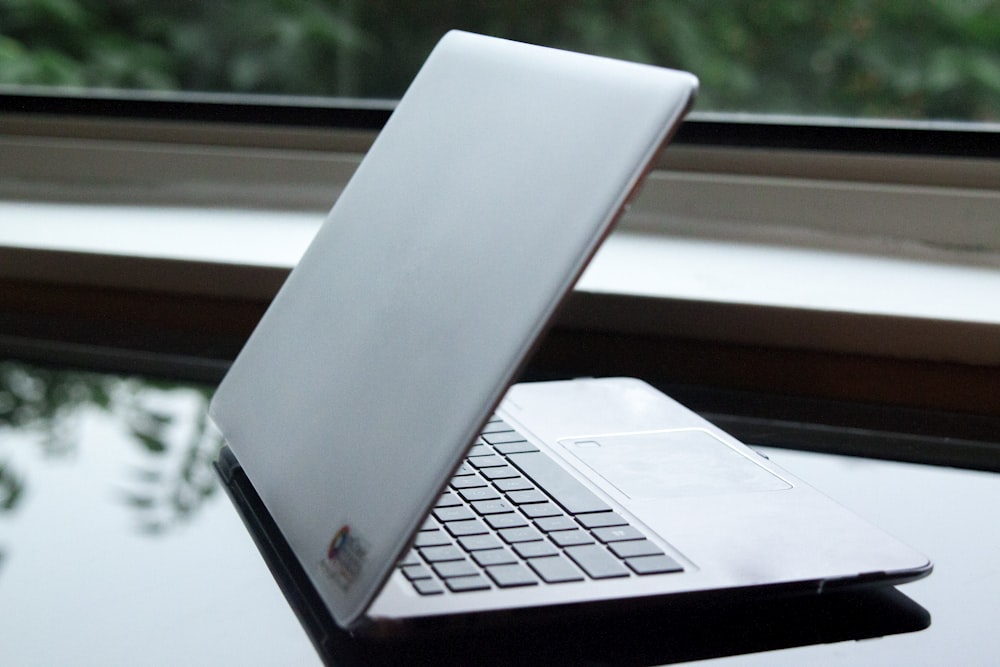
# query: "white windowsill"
(748, 293)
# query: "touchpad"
(668, 464)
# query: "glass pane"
(913, 60)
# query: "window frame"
(947, 159)
(212, 151)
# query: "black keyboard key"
(487, 461)
(500, 556)
(455, 568)
(414, 572)
(479, 542)
(438, 554)
(496, 426)
(661, 564)
(446, 514)
(463, 528)
(553, 523)
(527, 496)
(492, 507)
(634, 548)
(565, 489)
(462, 584)
(480, 450)
(618, 534)
(601, 520)
(499, 472)
(597, 562)
(534, 549)
(517, 483)
(499, 438)
(467, 482)
(479, 493)
(514, 447)
(428, 587)
(555, 569)
(431, 538)
(571, 538)
(508, 576)
(540, 510)
(515, 535)
(512, 520)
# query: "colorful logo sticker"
(345, 557)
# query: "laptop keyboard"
(513, 517)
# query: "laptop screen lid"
(469, 220)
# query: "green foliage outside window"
(932, 59)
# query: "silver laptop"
(376, 446)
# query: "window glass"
(857, 58)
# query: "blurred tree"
(933, 59)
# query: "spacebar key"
(565, 489)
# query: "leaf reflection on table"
(43, 407)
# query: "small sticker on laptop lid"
(345, 557)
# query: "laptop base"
(655, 630)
